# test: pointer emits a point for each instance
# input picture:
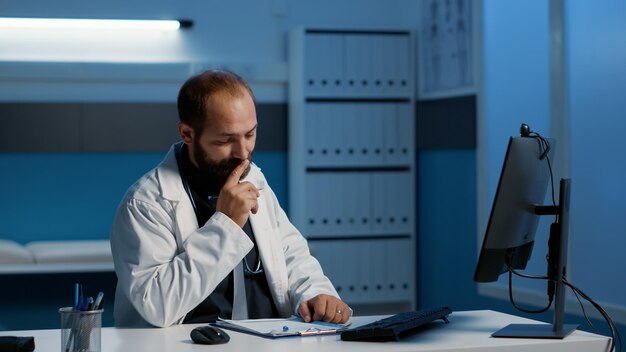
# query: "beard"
(221, 170)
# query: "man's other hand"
(326, 308)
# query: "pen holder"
(80, 330)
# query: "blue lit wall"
(49, 196)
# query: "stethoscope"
(212, 199)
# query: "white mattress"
(89, 251)
(12, 252)
(47, 252)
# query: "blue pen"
(86, 303)
(81, 298)
(285, 328)
(76, 296)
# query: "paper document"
(274, 328)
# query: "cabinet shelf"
(352, 158)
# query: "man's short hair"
(193, 97)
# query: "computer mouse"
(209, 335)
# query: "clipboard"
(277, 328)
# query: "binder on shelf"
(399, 282)
(365, 272)
(324, 124)
(340, 202)
(362, 202)
(398, 146)
(379, 203)
(399, 215)
(313, 210)
(340, 258)
(322, 70)
(361, 270)
(336, 131)
(327, 257)
(402, 70)
(314, 67)
(324, 204)
(375, 136)
(378, 269)
(404, 124)
(331, 256)
(358, 64)
(328, 203)
(377, 69)
(391, 153)
(363, 134)
(312, 135)
(351, 261)
(350, 130)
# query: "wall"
(516, 90)
(447, 228)
(596, 49)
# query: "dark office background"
(83, 120)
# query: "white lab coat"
(166, 265)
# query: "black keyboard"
(391, 328)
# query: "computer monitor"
(510, 235)
(513, 222)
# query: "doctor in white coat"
(167, 263)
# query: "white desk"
(467, 331)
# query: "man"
(202, 235)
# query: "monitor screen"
(513, 222)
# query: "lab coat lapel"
(270, 248)
(172, 190)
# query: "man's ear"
(186, 132)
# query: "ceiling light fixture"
(75, 23)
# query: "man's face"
(228, 137)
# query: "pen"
(81, 298)
(316, 331)
(76, 296)
(98, 301)
(90, 304)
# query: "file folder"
(324, 65)
(312, 135)
(358, 64)
(351, 129)
(404, 124)
(397, 49)
(313, 206)
(399, 280)
(377, 69)
(276, 328)
(375, 136)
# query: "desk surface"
(467, 331)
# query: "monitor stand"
(556, 269)
(535, 331)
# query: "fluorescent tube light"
(74, 23)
